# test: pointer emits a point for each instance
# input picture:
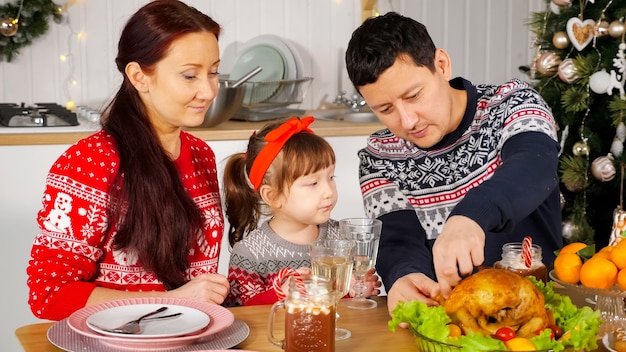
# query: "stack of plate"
(278, 58)
(186, 332)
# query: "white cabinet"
(23, 171)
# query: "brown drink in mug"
(309, 317)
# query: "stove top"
(38, 115)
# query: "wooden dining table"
(369, 331)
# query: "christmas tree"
(579, 69)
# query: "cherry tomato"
(552, 333)
(505, 334)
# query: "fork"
(133, 327)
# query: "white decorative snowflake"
(213, 218)
(618, 78)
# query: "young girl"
(287, 173)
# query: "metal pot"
(226, 103)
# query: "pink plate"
(220, 319)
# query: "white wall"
(487, 40)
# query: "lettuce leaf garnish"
(580, 325)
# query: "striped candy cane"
(283, 274)
(527, 251)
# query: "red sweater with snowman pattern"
(73, 252)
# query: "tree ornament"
(567, 71)
(580, 33)
(618, 78)
(562, 200)
(560, 40)
(616, 29)
(619, 225)
(33, 17)
(568, 228)
(601, 29)
(602, 168)
(617, 147)
(8, 26)
(548, 63)
(573, 187)
(600, 81)
(562, 3)
(580, 149)
(620, 131)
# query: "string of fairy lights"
(9, 27)
(74, 39)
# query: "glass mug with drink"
(309, 316)
(333, 259)
(366, 234)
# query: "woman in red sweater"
(134, 210)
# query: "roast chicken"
(495, 298)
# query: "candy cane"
(527, 251)
(283, 274)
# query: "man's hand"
(457, 250)
(416, 286)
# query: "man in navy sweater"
(461, 168)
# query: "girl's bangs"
(307, 153)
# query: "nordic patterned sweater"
(256, 260)
(72, 254)
(499, 168)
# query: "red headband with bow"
(276, 139)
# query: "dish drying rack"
(269, 100)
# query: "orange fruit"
(618, 254)
(520, 344)
(607, 249)
(598, 273)
(567, 267)
(603, 254)
(621, 279)
(573, 247)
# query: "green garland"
(33, 23)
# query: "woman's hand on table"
(211, 288)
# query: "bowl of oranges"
(603, 272)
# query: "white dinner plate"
(607, 340)
(270, 59)
(191, 320)
(293, 62)
(272, 62)
(220, 319)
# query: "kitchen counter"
(229, 130)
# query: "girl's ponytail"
(242, 203)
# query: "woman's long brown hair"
(155, 217)
(304, 153)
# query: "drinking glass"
(366, 234)
(333, 259)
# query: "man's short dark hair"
(377, 43)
